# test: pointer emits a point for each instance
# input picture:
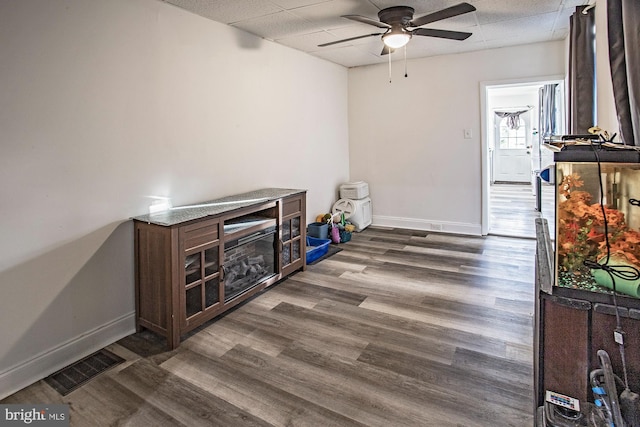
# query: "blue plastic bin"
(319, 230)
(316, 248)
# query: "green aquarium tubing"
(625, 275)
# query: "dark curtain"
(582, 70)
(547, 119)
(623, 23)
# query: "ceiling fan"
(400, 25)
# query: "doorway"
(512, 146)
(511, 153)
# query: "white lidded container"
(356, 211)
(354, 190)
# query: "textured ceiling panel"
(490, 11)
(562, 20)
(349, 56)
(294, 4)
(303, 24)
(306, 42)
(227, 11)
(541, 25)
(329, 15)
(277, 25)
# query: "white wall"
(407, 139)
(108, 103)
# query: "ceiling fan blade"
(443, 34)
(349, 39)
(449, 12)
(366, 20)
(386, 50)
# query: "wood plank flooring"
(512, 209)
(401, 328)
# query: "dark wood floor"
(401, 328)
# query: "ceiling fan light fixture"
(396, 39)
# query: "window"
(513, 139)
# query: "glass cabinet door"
(291, 240)
(201, 280)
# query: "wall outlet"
(467, 134)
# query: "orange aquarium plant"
(581, 229)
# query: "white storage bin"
(354, 190)
(358, 211)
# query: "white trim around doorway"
(485, 172)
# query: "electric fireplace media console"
(195, 262)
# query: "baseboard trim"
(427, 225)
(46, 363)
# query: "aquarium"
(598, 226)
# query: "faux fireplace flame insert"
(249, 253)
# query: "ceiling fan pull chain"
(389, 67)
(405, 61)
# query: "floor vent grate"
(73, 376)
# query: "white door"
(512, 150)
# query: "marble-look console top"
(179, 214)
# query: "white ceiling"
(304, 24)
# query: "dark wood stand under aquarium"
(571, 325)
(196, 262)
